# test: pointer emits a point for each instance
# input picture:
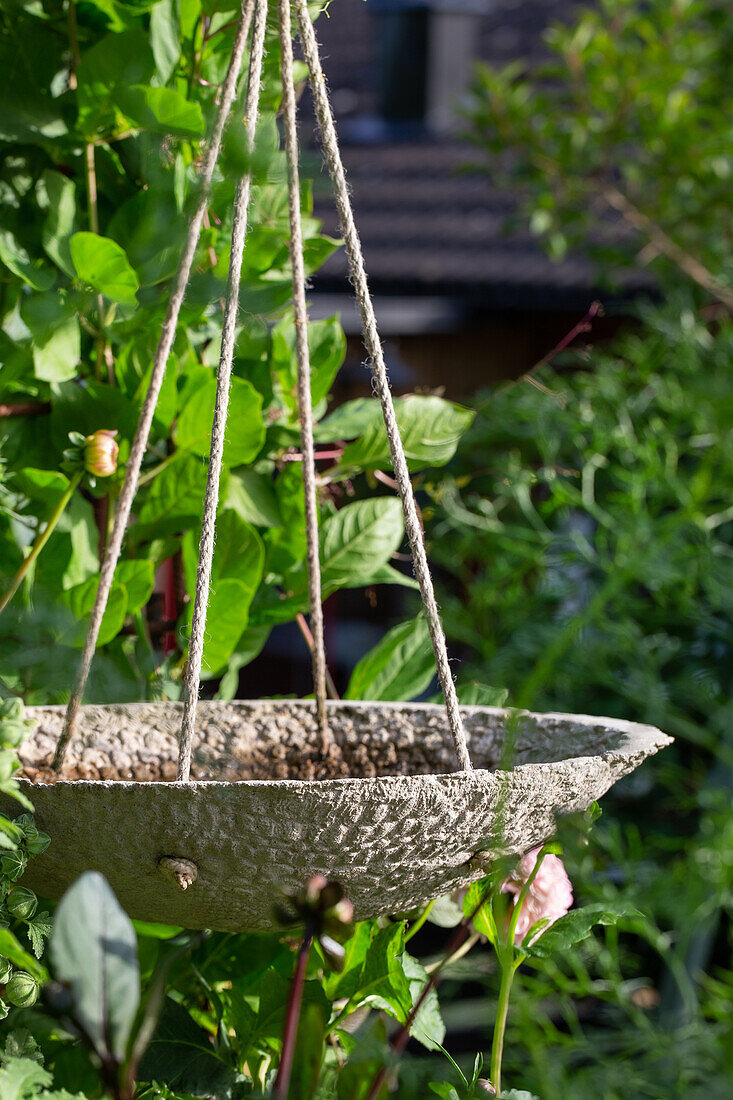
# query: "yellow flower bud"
(100, 453)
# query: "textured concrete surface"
(397, 825)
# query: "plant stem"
(281, 1087)
(40, 542)
(508, 969)
(420, 920)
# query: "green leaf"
(238, 554)
(38, 930)
(101, 262)
(45, 486)
(483, 918)
(245, 432)
(106, 70)
(427, 1027)
(399, 667)
(379, 979)
(577, 925)
(181, 1056)
(430, 428)
(309, 1049)
(59, 194)
(93, 948)
(56, 337)
(11, 949)
(359, 538)
(226, 620)
(348, 420)
(476, 694)
(138, 578)
(17, 259)
(175, 498)
(165, 37)
(22, 1079)
(88, 408)
(252, 496)
(326, 347)
(161, 110)
(80, 600)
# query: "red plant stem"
(584, 325)
(292, 1017)
(401, 1038)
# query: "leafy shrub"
(98, 173)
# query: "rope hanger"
(377, 364)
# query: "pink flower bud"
(549, 897)
(485, 1086)
(100, 453)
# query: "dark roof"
(428, 226)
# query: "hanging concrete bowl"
(391, 819)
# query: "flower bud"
(6, 970)
(100, 453)
(484, 1086)
(21, 903)
(22, 990)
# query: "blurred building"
(461, 302)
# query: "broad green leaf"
(174, 500)
(430, 428)
(348, 420)
(45, 486)
(138, 578)
(226, 620)
(373, 971)
(359, 538)
(93, 947)
(23, 1078)
(88, 408)
(165, 37)
(427, 1027)
(577, 925)
(483, 920)
(399, 667)
(181, 1057)
(245, 431)
(238, 553)
(161, 110)
(383, 982)
(150, 230)
(56, 337)
(326, 347)
(446, 913)
(80, 601)
(309, 1050)
(387, 574)
(344, 983)
(107, 69)
(476, 694)
(59, 194)
(252, 496)
(101, 262)
(17, 259)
